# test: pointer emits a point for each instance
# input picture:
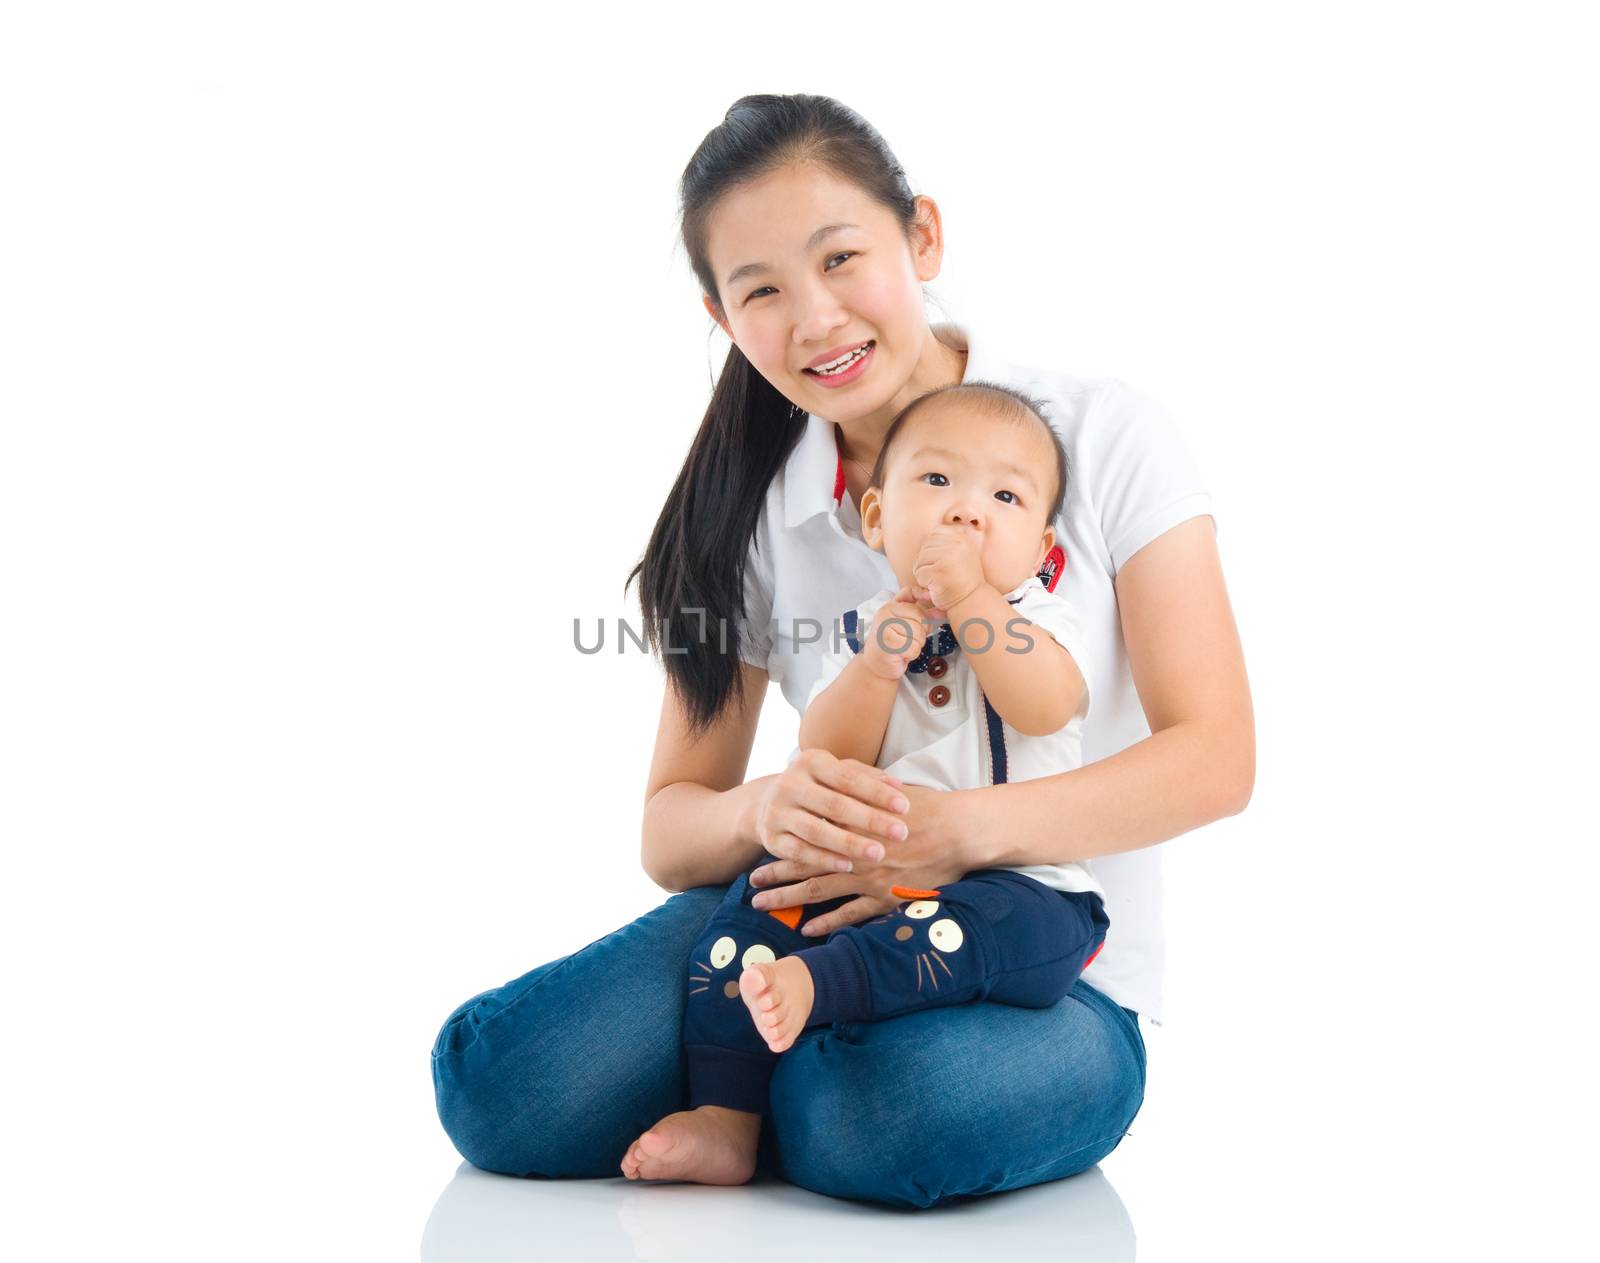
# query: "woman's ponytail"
(691, 578)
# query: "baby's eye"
(843, 254)
(943, 481)
(1012, 494)
(757, 293)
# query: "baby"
(961, 501)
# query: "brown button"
(937, 668)
(938, 695)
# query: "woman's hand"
(935, 852)
(829, 813)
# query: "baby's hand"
(948, 567)
(894, 638)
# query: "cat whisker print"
(943, 934)
(923, 959)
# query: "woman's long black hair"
(696, 555)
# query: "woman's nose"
(817, 315)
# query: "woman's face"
(809, 268)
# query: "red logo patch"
(1050, 572)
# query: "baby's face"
(959, 465)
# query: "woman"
(810, 250)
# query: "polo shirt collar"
(813, 476)
(813, 479)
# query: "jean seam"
(1069, 1155)
(1137, 1046)
(1129, 1020)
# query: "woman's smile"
(844, 368)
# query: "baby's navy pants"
(993, 935)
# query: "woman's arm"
(1197, 765)
(698, 828)
(704, 824)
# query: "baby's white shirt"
(964, 743)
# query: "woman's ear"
(716, 314)
(927, 238)
(872, 518)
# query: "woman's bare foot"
(709, 1145)
(779, 995)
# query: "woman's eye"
(1012, 494)
(943, 481)
(843, 254)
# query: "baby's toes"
(771, 1017)
(781, 1042)
(755, 985)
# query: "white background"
(347, 354)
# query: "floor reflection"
(482, 1218)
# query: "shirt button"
(937, 668)
(938, 694)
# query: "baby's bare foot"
(779, 995)
(709, 1145)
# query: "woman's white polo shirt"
(1130, 478)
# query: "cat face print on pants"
(722, 955)
(943, 935)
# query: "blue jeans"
(558, 1071)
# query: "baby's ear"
(1045, 545)
(872, 518)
